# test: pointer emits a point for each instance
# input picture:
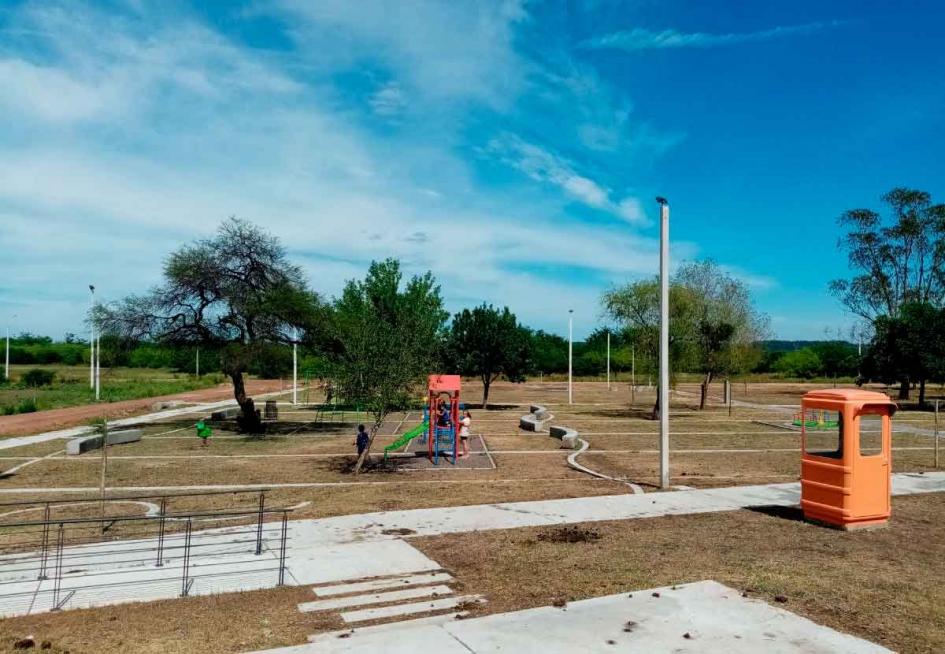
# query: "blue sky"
(514, 148)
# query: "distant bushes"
(27, 405)
(36, 378)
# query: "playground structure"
(441, 439)
(814, 419)
(848, 484)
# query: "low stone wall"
(568, 436)
(535, 419)
(93, 442)
(230, 413)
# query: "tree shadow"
(793, 513)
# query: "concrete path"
(699, 617)
(348, 548)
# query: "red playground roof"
(438, 383)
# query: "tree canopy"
(383, 339)
(234, 292)
(487, 343)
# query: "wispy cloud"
(643, 39)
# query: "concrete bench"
(534, 420)
(230, 413)
(568, 436)
(94, 441)
(540, 411)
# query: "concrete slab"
(427, 606)
(416, 622)
(375, 598)
(700, 617)
(84, 444)
(382, 584)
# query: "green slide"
(406, 438)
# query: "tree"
(910, 346)
(234, 292)
(727, 326)
(549, 353)
(636, 307)
(488, 343)
(897, 261)
(383, 340)
(803, 363)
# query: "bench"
(94, 441)
(230, 413)
(568, 436)
(535, 419)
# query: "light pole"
(664, 342)
(608, 359)
(92, 336)
(570, 353)
(295, 369)
(197, 363)
(6, 370)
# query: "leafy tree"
(803, 363)
(896, 261)
(727, 326)
(383, 340)
(636, 307)
(488, 343)
(910, 346)
(549, 353)
(234, 292)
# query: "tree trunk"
(249, 421)
(486, 382)
(378, 421)
(656, 405)
(904, 389)
(921, 393)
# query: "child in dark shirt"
(361, 440)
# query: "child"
(361, 440)
(203, 432)
(465, 422)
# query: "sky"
(512, 147)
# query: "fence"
(149, 547)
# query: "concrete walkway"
(350, 547)
(699, 617)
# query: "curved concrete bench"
(535, 419)
(94, 441)
(230, 413)
(568, 436)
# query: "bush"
(38, 377)
(25, 406)
(803, 363)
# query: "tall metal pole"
(570, 352)
(91, 336)
(295, 368)
(98, 366)
(198, 362)
(633, 373)
(664, 343)
(608, 359)
(6, 370)
(936, 433)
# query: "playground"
(304, 465)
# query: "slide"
(419, 430)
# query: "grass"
(886, 585)
(71, 387)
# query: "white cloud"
(388, 100)
(643, 39)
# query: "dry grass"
(886, 585)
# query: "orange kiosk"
(846, 473)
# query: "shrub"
(25, 406)
(38, 377)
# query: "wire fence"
(99, 554)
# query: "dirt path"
(34, 423)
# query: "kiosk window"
(826, 441)
(871, 435)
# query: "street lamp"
(295, 369)
(664, 342)
(570, 353)
(92, 336)
(6, 370)
(608, 359)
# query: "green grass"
(71, 386)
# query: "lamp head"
(661, 200)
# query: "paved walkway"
(351, 547)
(699, 617)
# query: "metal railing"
(68, 546)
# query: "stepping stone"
(382, 584)
(376, 598)
(416, 622)
(408, 609)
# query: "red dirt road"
(35, 423)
